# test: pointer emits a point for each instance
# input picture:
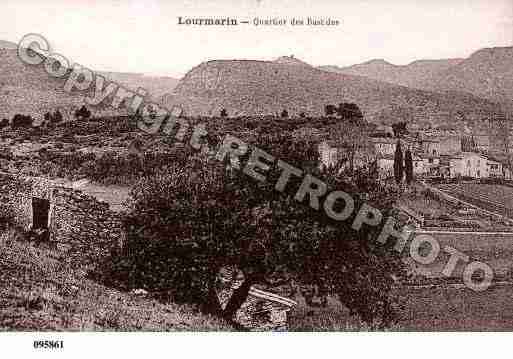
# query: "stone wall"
(78, 223)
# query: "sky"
(144, 36)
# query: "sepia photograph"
(261, 166)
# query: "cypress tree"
(398, 163)
(408, 166)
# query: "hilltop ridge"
(486, 73)
(249, 87)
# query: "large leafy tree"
(199, 215)
(350, 111)
(22, 121)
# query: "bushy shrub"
(68, 164)
(114, 168)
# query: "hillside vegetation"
(246, 87)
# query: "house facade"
(430, 146)
(328, 154)
(495, 168)
(385, 165)
(430, 164)
(469, 164)
(384, 145)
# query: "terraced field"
(494, 198)
(495, 249)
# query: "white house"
(385, 165)
(469, 164)
(328, 154)
(430, 146)
(384, 145)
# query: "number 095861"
(48, 344)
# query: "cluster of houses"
(445, 157)
(450, 155)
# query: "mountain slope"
(28, 89)
(246, 87)
(157, 86)
(418, 74)
(487, 73)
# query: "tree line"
(55, 117)
(344, 110)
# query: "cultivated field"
(495, 249)
(448, 309)
(494, 198)
(437, 308)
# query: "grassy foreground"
(39, 292)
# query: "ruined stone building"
(76, 222)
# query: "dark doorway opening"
(40, 212)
